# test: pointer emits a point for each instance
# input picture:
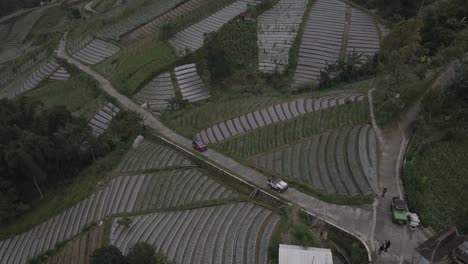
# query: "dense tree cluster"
(140, 253)
(38, 147)
(42, 147)
(10, 6)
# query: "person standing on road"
(387, 245)
(381, 248)
(383, 192)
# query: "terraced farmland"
(193, 120)
(231, 233)
(290, 131)
(148, 155)
(32, 80)
(327, 38)
(79, 250)
(321, 41)
(152, 28)
(343, 161)
(190, 84)
(156, 92)
(273, 114)
(363, 36)
(60, 74)
(193, 36)
(91, 50)
(123, 194)
(143, 16)
(276, 31)
(11, 72)
(20, 29)
(102, 119)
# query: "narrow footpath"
(361, 221)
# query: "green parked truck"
(399, 211)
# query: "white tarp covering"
(289, 254)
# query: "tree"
(142, 253)
(108, 255)
(125, 222)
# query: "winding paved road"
(370, 223)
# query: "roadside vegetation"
(436, 168)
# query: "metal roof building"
(289, 254)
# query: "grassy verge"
(80, 94)
(293, 229)
(278, 134)
(65, 195)
(132, 67)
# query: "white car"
(277, 184)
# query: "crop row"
(79, 250)
(324, 40)
(123, 194)
(148, 155)
(342, 161)
(232, 233)
(192, 37)
(190, 84)
(210, 112)
(290, 131)
(276, 30)
(102, 119)
(60, 75)
(93, 51)
(156, 93)
(273, 114)
(363, 36)
(321, 41)
(152, 28)
(32, 80)
(143, 16)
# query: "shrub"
(107, 255)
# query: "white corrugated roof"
(289, 254)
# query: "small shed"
(290, 254)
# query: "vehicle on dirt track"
(277, 184)
(199, 145)
(399, 211)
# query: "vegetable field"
(32, 80)
(192, 37)
(292, 130)
(332, 30)
(343, 161)
(171, 188)
(231, 233)
(190, 120)
(156, 92)
(276, 31)
(92, 51)
(80, 249)
(190, 84)
(102, 119)
(277, 113)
